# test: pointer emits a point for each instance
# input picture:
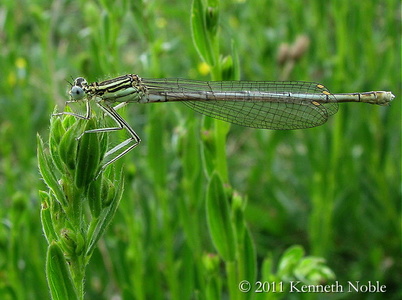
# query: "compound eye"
(77, 93)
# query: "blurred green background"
(335, 189)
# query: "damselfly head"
(77, 90)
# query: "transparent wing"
(257, 104)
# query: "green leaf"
(212, 17)
(88, 157)
(312, 270)
(267, 269)
(72, 242)
(248, 257)
(46, 168)
(57, 131)
(46, 218)
(213, 288)
(212, 265)
(58, 276)
(288, 262)
(235, 74)
(219, 219)
(68, 146)
(208, 151)
(221, 130)
(108, 192)
(230, 65)
(201, 39)
(57, 213)
(237, 208)
(95, 196)
(99, 225)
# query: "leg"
(87, 114)
(131, 142)
(120, 105)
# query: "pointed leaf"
(46, 218)
(58, 276)
(46, 168)
(199, 32)
(219, 219)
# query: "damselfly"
(257, 104)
